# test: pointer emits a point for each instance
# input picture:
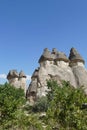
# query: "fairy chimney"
(16, 79)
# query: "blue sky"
(29, 26)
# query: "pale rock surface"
(78, 68)
(17, 80)
(55, 65)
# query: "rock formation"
(55, 65)
(78, 68)
(17, 79)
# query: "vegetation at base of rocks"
(41, 105)
(65, 107)
(62, 107)
(12, 114)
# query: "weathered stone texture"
(17, 79)
(55, 65)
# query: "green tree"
(11, 99)
(65, 107)
(12, 113)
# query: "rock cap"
(46, 56)
(12, 74)
(22, 75)
(54, 51)
(61, 57)
(35, 73)
(75, 56)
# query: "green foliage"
(11, 99)
(26, 122)
(63, 107)
(64, 111)
(12, 114)
(40, 105)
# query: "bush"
(11, 99)
(64, 111)
(41, 105)
(12, 113)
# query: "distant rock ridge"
(56, 65)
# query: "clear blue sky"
(29, 26)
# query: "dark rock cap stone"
(35, 74)
(75, 56)
(21, 74)
(54, 51)
(46, 56)
(61, 57)
(12, 74)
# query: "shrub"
(41, 105)
(64, 111)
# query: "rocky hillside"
(55, 65)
